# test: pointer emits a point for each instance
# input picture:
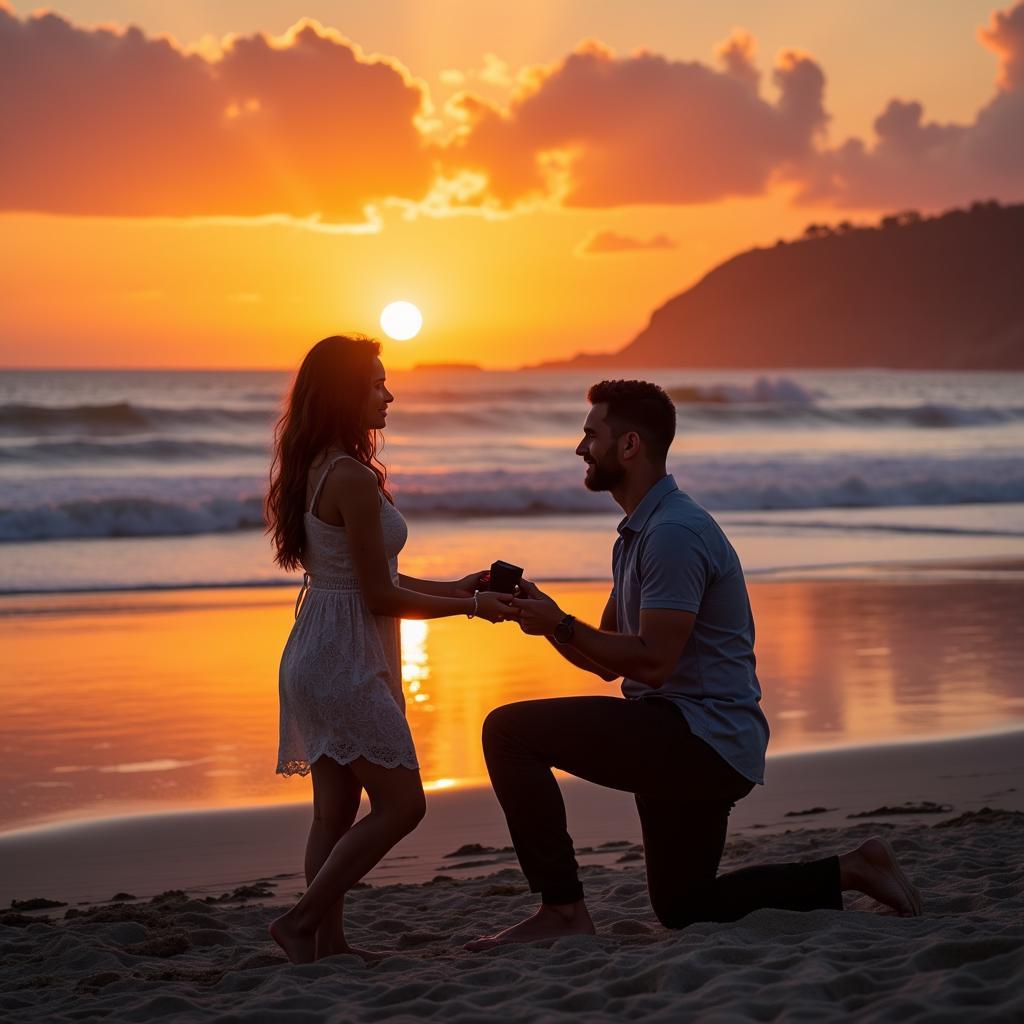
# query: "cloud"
(913, 161)
(306, 126)
(99, 121)
(737, 54)
(597, 130)
(496, 71)
(612, 242)
(1004, 35)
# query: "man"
(689, 738)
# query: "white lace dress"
(341, 671)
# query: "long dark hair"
(324, 410)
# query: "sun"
(401, 320)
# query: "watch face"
(564, 631)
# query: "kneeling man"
(687, 737)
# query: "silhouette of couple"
(687, 737)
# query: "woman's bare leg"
(397, 806)
(336, 794)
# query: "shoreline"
(213, 850)
(996, 567)
(774, 544)
(67, 823)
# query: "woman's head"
(338, 402)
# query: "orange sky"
(171, 195)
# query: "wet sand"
(140, 702)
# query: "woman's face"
(375, 415)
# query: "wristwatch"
(565, 629)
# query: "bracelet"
(476, 605)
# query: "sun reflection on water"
(415, 663)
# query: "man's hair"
(641, 406)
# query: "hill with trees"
(913, 292)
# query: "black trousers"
(684, 792)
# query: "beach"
(698, 318)
(167, 844)
(197, 949)
(879, 521)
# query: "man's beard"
(604, 474)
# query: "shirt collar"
(637, 519)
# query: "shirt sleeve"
(674, 569)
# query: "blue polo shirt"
(670, 553)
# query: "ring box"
(505, 577)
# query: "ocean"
(879, 518)
(153, 479)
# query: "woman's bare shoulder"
(349, 475)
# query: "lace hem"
(303, 768)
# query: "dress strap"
(323, 480)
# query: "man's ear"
(629, 445)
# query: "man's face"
(599, 450)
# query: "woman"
(342, 707)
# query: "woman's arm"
(435, 587)
(441, 588)
(353, 489)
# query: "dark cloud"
(611, 242)
(914, 161)
(96, 121)
(599, 130)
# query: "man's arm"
(648, 657)
(609, 623)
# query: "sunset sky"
(221, 184)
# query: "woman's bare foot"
(550, 922)
(298, 943)
(369, 956)
(873, 870)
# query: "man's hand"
(537, 613)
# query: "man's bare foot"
(298, 943)
(873, 869)
(550, 922)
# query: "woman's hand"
(494, 607)
(469, 585)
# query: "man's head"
(631, 426)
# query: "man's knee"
(500, 724)
(673, 917)
(678, 910)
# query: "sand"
(203, 954)
(176, 958)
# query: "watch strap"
(565, 629)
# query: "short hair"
(641, 406)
